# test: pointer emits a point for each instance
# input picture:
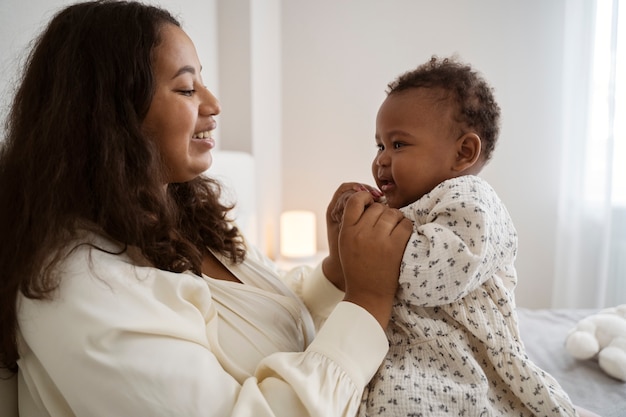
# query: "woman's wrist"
(379, 307)
(332, 270)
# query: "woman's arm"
(371, 242)
(118, 339)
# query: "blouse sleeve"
(462, 236)
(319, 294)
(123, 340)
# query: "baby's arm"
(462, 236)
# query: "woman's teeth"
(202, 135)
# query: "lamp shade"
(297, 234)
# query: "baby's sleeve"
(462, 235)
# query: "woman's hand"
(334, 215)
(372, 239)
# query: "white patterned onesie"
(455, 348)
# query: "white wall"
(337, 57)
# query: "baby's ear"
(468, 152)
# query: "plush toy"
(602, 336)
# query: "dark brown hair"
(75, 157)
(476, 107)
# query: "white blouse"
(120, 338)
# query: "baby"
(455, 347)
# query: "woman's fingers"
(336, 213)
(332, 263)
(332, 266)
(355, 206)
(394, 221)
(372, 240)
(337, 203)
(343, 193)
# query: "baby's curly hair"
(476, 107)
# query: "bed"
(544, 332)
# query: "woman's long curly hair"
(75, 157)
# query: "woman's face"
(181, 115)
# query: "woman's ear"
(468, 152)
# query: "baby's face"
(417, 145)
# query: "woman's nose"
(210, 104)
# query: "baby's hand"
(336, 213)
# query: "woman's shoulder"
(90, 249)
(93, 259)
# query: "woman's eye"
(187, 93)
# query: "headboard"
(235, 170)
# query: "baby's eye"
(380, 147)
(397, 145)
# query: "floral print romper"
(455, 348)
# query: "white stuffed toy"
(601, 335)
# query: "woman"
(125, 289)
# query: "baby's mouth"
(385, 184)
